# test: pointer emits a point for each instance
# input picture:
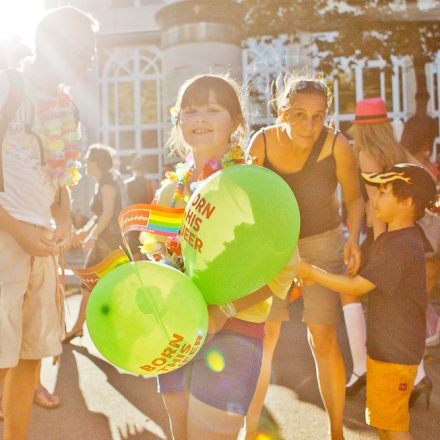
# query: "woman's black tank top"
(314, 186)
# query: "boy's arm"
(356, 285)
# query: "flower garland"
(234, 156)
(61, 136)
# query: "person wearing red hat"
(377, 150)
(371, 111)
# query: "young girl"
(205, 402)
(313, 159)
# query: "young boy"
(394, 275)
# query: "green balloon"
(147, 318)
(241, 227)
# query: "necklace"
(61, 136)
(58, 125)
(234, 156)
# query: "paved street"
(100, 403)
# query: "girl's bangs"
(197, 94)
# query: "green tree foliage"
(353, 29)
(363, 29)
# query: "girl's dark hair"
(103, 156)
(195, 92)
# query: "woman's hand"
(63, 234)
(78, 237)
(352, 257)
(88, 244)
(217, 319)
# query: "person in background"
(377, 150)
(419, 134)
(101, 235)
(139, 188)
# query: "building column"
(198, 37)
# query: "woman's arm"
(257, 148)
(347, 173)
(368, 164)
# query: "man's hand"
(217, 320)
(34, 239)
(352, 257)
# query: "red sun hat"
(371, 111)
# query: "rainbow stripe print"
(155, 219)
(91, 275)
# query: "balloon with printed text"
(147, 318)
(241, 226)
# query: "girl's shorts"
(389, 388)
(223, 374)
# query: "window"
(131, 104)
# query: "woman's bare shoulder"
(341, 139)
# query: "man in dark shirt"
(394, 275)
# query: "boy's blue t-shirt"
(395, 264)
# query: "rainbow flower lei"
(61, 136)
(234, 156)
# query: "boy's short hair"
(408, 181)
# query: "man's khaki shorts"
(30, 325)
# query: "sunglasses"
(314, 86)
